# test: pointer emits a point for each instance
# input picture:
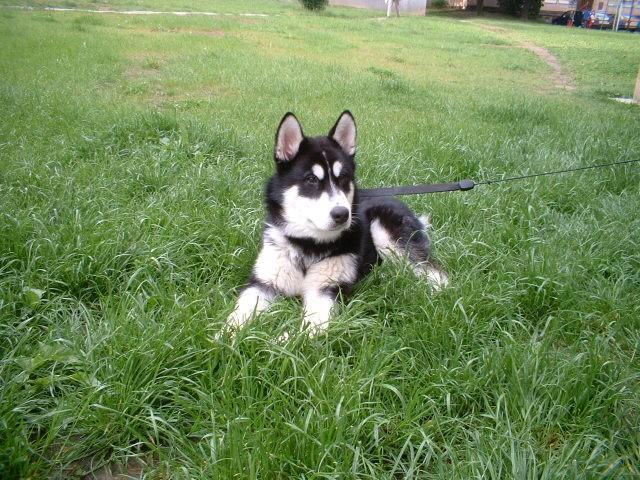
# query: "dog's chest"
(282, 264)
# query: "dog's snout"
(339, 214)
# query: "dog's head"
(312, 193)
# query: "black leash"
(464, 185)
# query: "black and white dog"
(319, 238)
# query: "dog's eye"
(311, 179)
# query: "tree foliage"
(314, 4)
(523, 8)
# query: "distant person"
(577, 18)
(392, 3)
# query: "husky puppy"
(319, 238)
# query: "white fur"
(250, 302)
(284, 269)
(310, 217)
(318, 171)
(317, 311)
(328, 272)
(337, 168)
(382, 240)
(386, 248)
(277, 263)
(425, 220)
(435, 277)
(350, 193)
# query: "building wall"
(629, 7)
(464, 4)
(407, 6)
(548, 5)
(418, 6)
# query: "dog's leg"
(317, 311)
(255, 298)
(273, 273)
(320, 288)
(436, 277)
(402, 235)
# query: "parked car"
(601, 20)
(629, 23)
(563, 19)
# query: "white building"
(549, 6)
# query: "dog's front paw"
(316, 315)
(251, 302)
(434, 275)
(437, 278)
(236, 320)
(317, 329)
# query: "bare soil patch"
(212, 33)
(560, 78)
(106, 10)
(143, 66)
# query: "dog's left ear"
(344, 132)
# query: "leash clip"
(466, 184)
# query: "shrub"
(515, 7)
(314, 4)
(439, 3)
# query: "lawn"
(133, 151)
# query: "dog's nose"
(339, 214)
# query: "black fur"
(394, 215)
(310, 248)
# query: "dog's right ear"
(288, 138)
(344, 132)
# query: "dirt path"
(561, 79)
(140, 12)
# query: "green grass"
(133, 151)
